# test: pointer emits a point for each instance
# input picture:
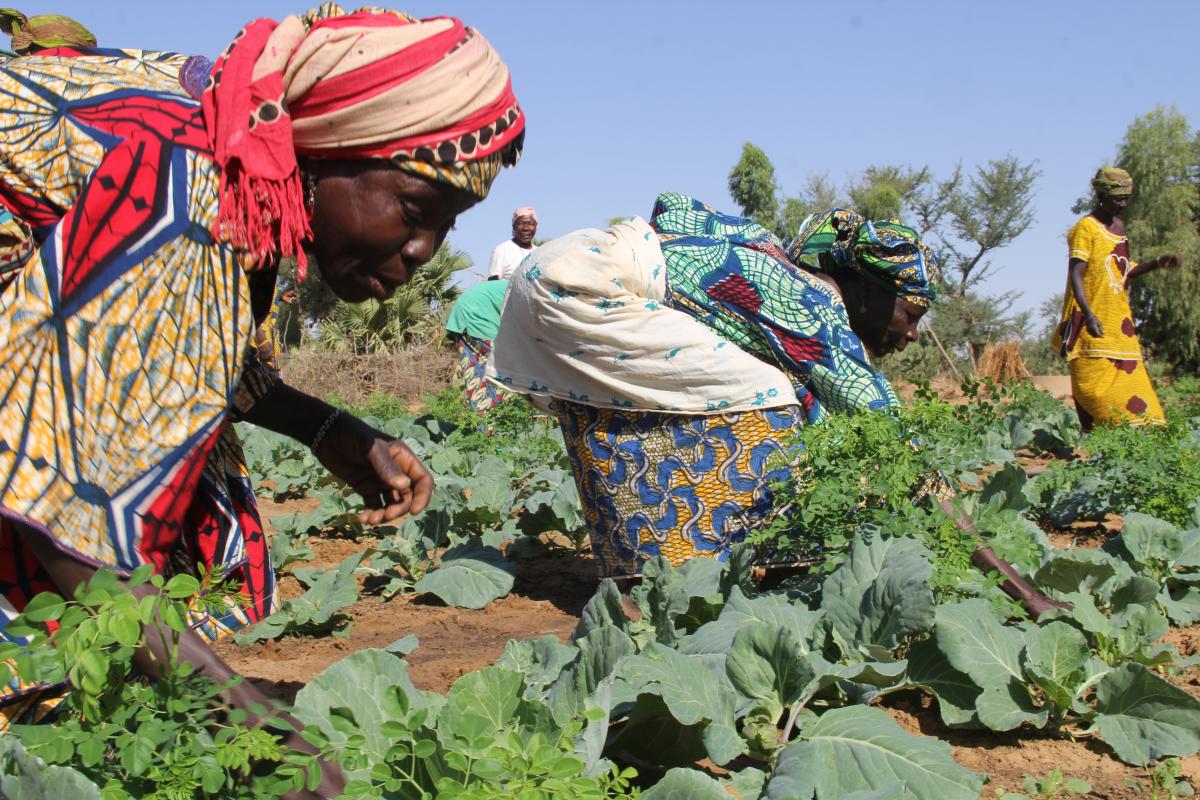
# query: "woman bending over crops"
(152, 197)
(679, 354)
(472, 325)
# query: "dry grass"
(406, 375)
(1002, 362)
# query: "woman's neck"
(832, 281)
(1108, 219)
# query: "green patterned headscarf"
(30, 34)
(887, 253)
(1112, 182)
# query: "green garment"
(477, 310)
(42, 31)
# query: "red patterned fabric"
(737, 290)
(124, 329)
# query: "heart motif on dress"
(1117, 277)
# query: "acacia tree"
(964, 219)
(752, 185)
(1162, 153)
(966, 222)
(990, 212)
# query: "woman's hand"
(391, 479)
(389, 476)
(1170, 261)
(1092, 323)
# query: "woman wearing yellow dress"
(1096, 335)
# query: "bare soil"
(547, 598)
(550, 593)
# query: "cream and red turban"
(430, 95)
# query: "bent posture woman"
(472, 325)
(678, 354)
(152, 197)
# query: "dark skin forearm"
(68, 573)
(389, 477)
(1077, 269)
(1014, 585)
(290, 412)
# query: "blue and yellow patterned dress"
(693, 485)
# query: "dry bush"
(406, 374)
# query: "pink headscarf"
(524, 211)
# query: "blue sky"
(629, 99)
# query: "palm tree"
(416, 310)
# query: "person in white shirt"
(509, 253)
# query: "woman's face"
(885, 323)
(374, 224)
(902, 328)
(1114, 206)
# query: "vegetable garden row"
(709, 682)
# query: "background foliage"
(972, 214)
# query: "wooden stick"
(945, 355)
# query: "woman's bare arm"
(1077, 269)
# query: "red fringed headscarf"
(431, 95)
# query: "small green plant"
(377, 404)
(173, 737)
(1051, 787)
(1154, 469)
(317, 611)
(874, 470)
(1165, 782)
(484, 739)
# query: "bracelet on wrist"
(324, 429)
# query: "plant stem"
(791, 723)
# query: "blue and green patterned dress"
(686, 485)
(733, 276)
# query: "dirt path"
(549, 594)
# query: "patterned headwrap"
(43, 31)
(524, 211)
(887, 253)
(430, 95)
(1112, 182)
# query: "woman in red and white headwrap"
(151, 199)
